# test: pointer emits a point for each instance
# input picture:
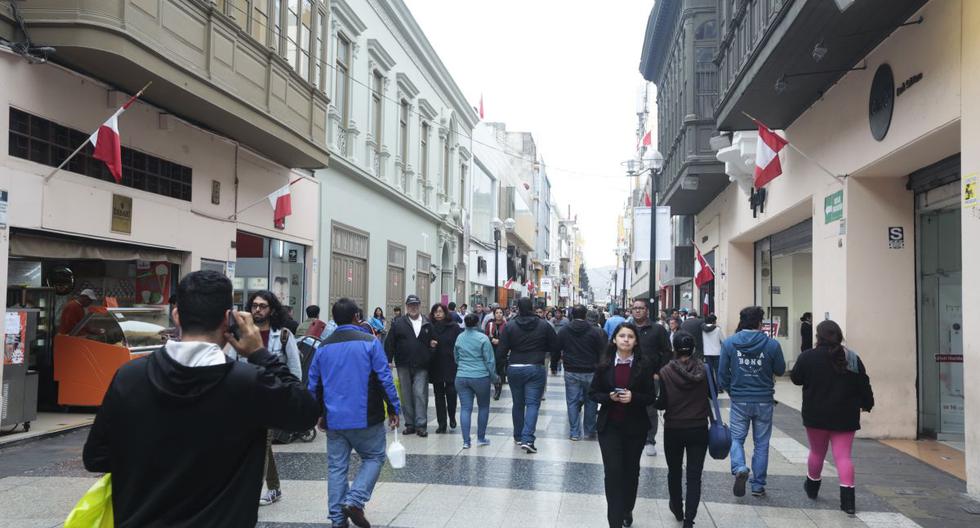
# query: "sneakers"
(483, 443)
(466, 445)
(650, 450)
(740, 479)
(356, 516)
(270, 497)
(575, 438)
(518, 443)
(759, 492)
(529, 448)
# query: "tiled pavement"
(561, 486)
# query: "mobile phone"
(233, 325)
(619, 391)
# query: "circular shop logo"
(881, 103)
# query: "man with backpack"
(312, 326)
(749, 362)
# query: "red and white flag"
(481, 107)
(530, 288)
(646, 140)
(646, 199)
(282, 203)
(767, 166)
(508, 284)
(108, 148)
(702, 271)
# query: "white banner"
(545, 284)
(641, 233)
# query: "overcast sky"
(566, 72)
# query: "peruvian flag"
(646, 140)
(702, 271)
(646, 199)
(767, 166)
(530, 288)
(508, 284)
(108, 148)
(282, 203)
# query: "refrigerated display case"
(19, 384)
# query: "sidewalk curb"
(42, 436)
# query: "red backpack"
(316, 329)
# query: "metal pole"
(496, 265)
(625, 258)
(652, 309)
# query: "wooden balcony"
(204, 69)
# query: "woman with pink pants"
(836, 389)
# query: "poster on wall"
(14, 338)
(153, 284)
(770, 327)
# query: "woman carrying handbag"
(685, 396)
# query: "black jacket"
(443, 366)
(831, 399)
(693, 326)
(684, 394)
(186, 446)
(806, 336)
(641, 385)
(406, 350)
(655, 344)
(528, 339)
(580, 344)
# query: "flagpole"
(837, 178)
(80, 147)
(260, 200)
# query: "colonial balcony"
(204, 68)
(777, 57)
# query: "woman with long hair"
(377, 322)
(685, 397)
(442, 370)
(836, 388)
(493, 329)
(623, 386)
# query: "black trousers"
(445, 401)
(621, 452)
(695, 443)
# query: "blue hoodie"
(749, 361)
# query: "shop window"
(48, 143)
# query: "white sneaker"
(270, 497)
(650, 450)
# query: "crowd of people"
(208, 405)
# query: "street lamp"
(497, 224)
(624, 252)
(654, 161)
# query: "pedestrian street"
(560, 486)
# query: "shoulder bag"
(719, 437)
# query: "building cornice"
(346, 16)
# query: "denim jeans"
(759, 415)
(369, 443)
(526, 388)
(577, 396)
(467, 389)
(415, 396)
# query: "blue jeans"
(526, 388)
(577, 396)
(759, 415)
(467, 389)
(370, 446)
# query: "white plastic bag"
(396, 453)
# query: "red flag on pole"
(481, 107)
(282, 204)
(646, 140)
(767, 166)
(108, 148)
(702, 271)
(646, 199)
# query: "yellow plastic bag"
(94, 510)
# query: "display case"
(86, 359)
(19, 382)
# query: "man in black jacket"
(183, 430)
(525, 342)
(654, 344)
(407, 345)
(580, 344)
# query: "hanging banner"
(641, 233)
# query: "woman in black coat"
(623, 385)
(493, 329)
(442, 370)
(836, 388)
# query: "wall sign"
(970, 191)
(881, 102)
(896, 237)
(3, 209)
(293, 255)
(833, 207)
(907, 84)
(215, 192)
(122, 214)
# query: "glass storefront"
(269, 264)
(784, 284)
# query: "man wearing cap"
(74, 311)
(407, 345)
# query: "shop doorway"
(269, 264)
(940, 316)
(784, 284)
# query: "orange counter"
(84, 368)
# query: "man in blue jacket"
(749, 362)
(350, 375)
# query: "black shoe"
(628, 519)
(740, 479)
(688, 524)
(356, 515)
(847, 500)
(759, 492)
(529, 448)
(677, 509)
(409, 431)
(812, 487)
(496, 391)
(452, 422)
(440, 430)
(422, 433)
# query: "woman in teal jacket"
(475, 372)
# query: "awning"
(38, 246)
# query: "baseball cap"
(413, 299)
(87, 292)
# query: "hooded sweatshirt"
(711, 337)
(580, 343)
(527, 340)
(749, 362)
(183, 433)
(684, 394)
